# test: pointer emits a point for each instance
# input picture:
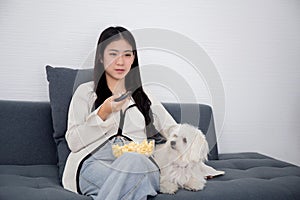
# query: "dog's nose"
(173, 143)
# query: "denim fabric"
(131, 176)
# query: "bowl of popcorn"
(144, 147)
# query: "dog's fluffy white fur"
(181, 159)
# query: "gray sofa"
(33, 152)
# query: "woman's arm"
(84, 126)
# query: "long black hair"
(132, 80)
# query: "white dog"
(181, 160)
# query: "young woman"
(96, 122)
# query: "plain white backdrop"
(254, 45)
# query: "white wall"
(254, 45)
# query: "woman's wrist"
(103, 113)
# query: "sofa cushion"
(250, 176)
(62, 84)
(33, 182)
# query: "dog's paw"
(195, 184)
(168, 187)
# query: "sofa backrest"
(26, 130)
(26, 133)
(199, 115)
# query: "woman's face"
(117, 59)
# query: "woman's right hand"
(109, 106)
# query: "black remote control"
(123, 96)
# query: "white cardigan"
(87, 131)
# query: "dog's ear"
(204, 150)
(199, 148)
(173, 129)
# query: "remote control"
(123, 96)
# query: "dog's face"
(189, 143)
(179, 142)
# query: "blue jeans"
(131, 176)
